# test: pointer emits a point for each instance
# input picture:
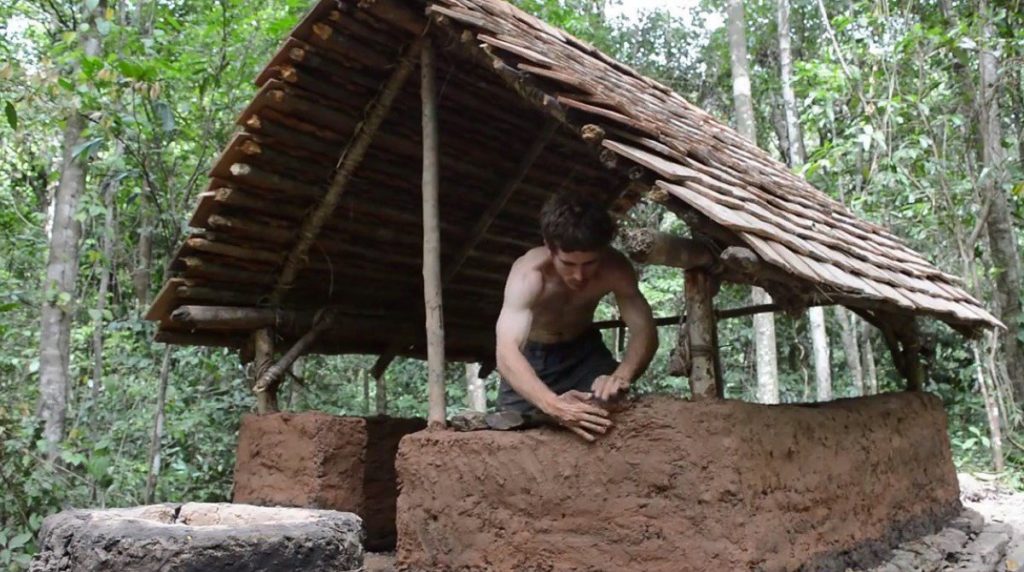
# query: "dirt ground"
(995, 503)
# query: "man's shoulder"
(532, 260)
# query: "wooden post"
(432, 243)
(263, 343)
(700, 324)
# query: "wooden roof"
(505, 79)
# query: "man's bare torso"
(560, 313)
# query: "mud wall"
(680, 486)
(316, 460)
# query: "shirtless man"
(549, 355)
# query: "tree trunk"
(991, 411)
(61, 274)
(365, 379)
(851, 347)
(868, 355)
(1002, 243)
(476, 394)
(797, 156)
(382, 395)
(158, 428)
(822, 358)
(764, 324)
(144, 253)
(106, 266)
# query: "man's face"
(576, 269)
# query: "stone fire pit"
(200, 537)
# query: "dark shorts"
(562, 366)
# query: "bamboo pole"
(432, 242)
(350, 160)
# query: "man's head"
(577, 231)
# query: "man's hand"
(608, 387)
(573, 410)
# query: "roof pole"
(432, 242)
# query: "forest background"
(911, 113)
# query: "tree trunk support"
(700, 332)
(263, 343)
(432, 298)
(269, 380)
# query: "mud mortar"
(680, 486)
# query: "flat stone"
(948, 541)
(198, 537)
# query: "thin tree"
(1002, 242)
(797, 156)
(764, 324)
(476, 394)
(62, 271)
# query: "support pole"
(700, 325)
(432, 242)
(263, 344)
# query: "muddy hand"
(607, 388)
(575, 411)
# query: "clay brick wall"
(316, 460)
(681, 486)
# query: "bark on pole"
(700, 326)
(432, 242)
(1002, 242)
(764, 324)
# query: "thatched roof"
(506, 79)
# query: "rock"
(1015, 555)
(970, 522)
(199, 537)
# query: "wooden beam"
(494, 209)
(270, 378)
(719, 315)
(700, 326)
(432, 296)
(663, 249)
(263, 342)
(350, 159)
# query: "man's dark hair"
(571, 222)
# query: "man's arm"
(570, 410)
(643, 335)
(513, 327)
